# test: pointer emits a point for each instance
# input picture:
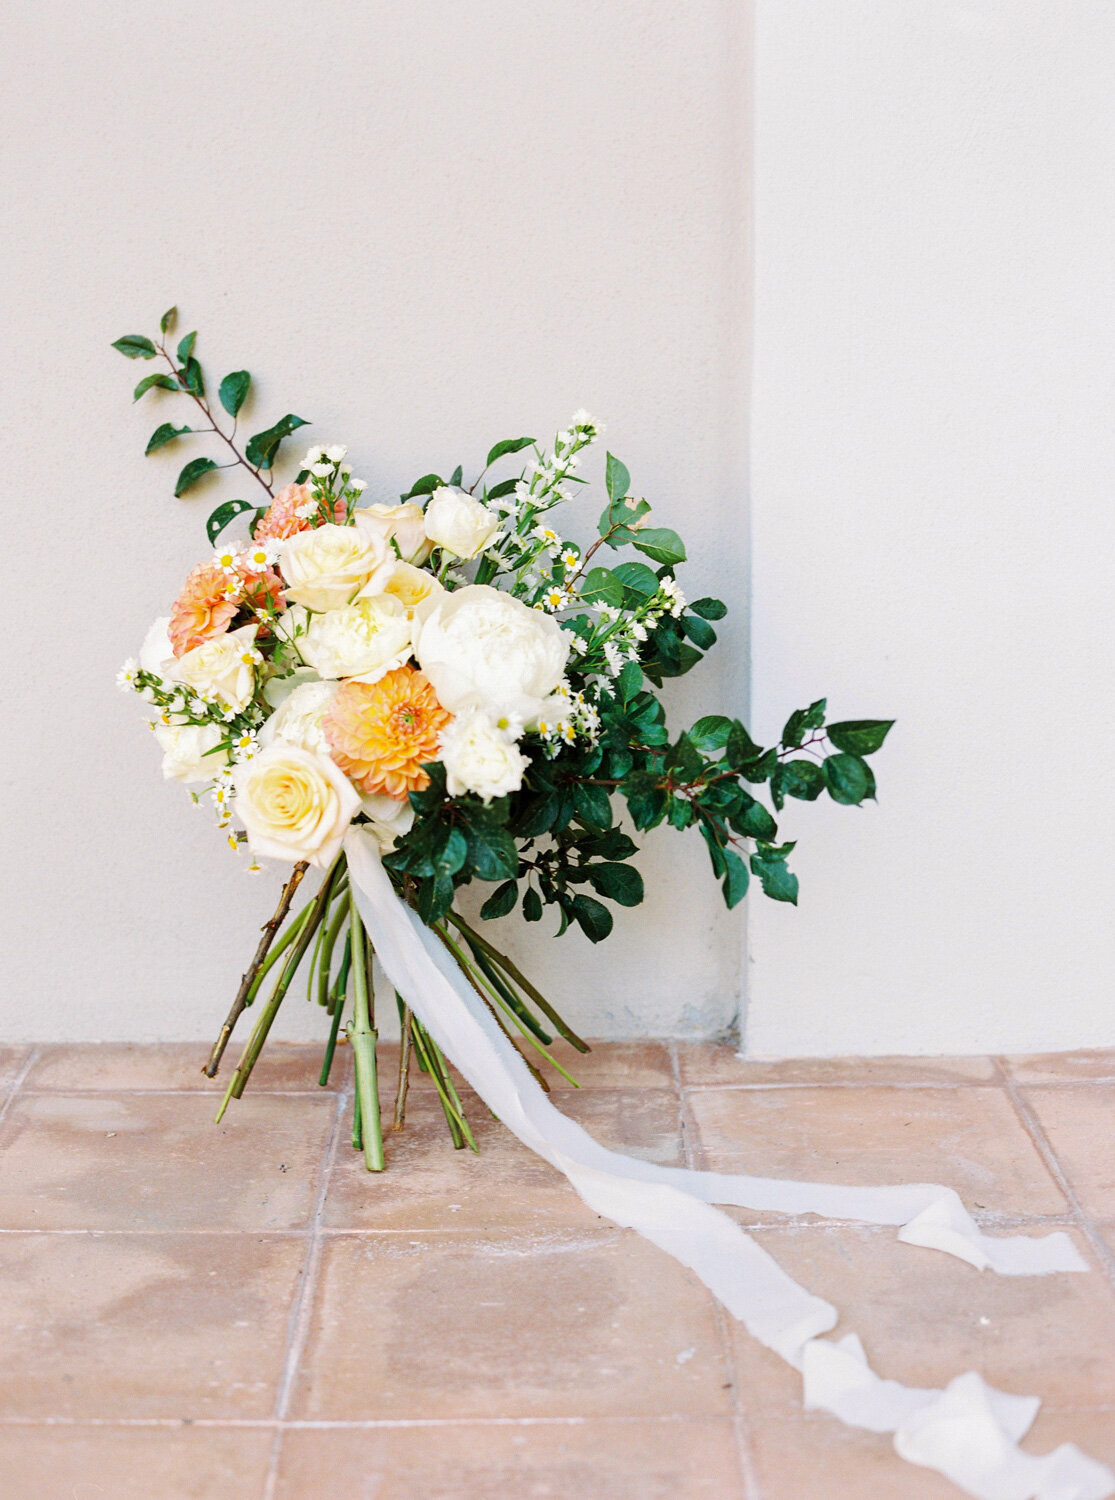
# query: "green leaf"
(456, 477)
(847, 778)
(736, 878)
(166, 322)
(860, 736)
(659, 542)
(801, 720)
(638, 578)
(684, 761)
(646, 802)
(754, 821)
(186, 347)
(263, 447)
(492, 852)
(234, 389)
(532, 905)
(594, 920)
(163, 435)
(602, 587)
(196, 469)
(424, 486)
(452, 854)
(698, 631)
(616, 478)
(776, 880)
(223, 515)
(135, 346)
(509, 445)
(151, 382)
(593, 805)
(501, 901)
(192, 378)
(709, 609)
(505, 487)
(711, 733)
(629, 681)
(740, 749)
(620, 883)
(803, 779)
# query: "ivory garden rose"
(401, 527)
(295, 804)
(325, 568)
(459, 523)
(223, 668)
(365, 639)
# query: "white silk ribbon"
(968, 1432)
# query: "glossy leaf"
(620, 883)
(225, 513)
(709, 609)
(860, 736)
(509, 445)
(602, 587)
(847, 778)
(736, 878)
(616, 478)
(699, 631)
(153, 382)
(424, 486)
(532, 905)
(638, 578)
(659, 542)
(263, 446)
(163, 435)
(186, 346)
(594, 920)
(234, 390)
(135, 346)
(501, 901)
(196, 469)
(167, 321)
(492, 852)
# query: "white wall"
(426, 226)
(934, 486)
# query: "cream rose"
(416, 589)
(481, 647)
(297, 720)
(223, 668)
(402, 525)
(326, 567)
(480, 757)
(295, 804)
(459, 523)
(186, 751)
(389, 818)
(364, 639)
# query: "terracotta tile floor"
(190, 1310)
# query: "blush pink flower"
(281, 519)
(204, 610)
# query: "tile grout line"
(33, 1055)
(741, 1433)
(1033, 1127)
(301, 1312)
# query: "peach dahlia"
(382, 733)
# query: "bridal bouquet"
(458, 678)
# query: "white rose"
(390, 818)
(479, 757)
(295, 804)
(156, 655)
(326, 567)
(480, 646)
(401, 524)
(223, 668)
(416, 589)
(459, 523)
(297, 720)
(186, 751)
(365, 639)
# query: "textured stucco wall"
(934, 450)
(426, 227)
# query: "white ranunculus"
(479, 646)
(186, 750)
(156, 655)
(364, 639)
(390, 818)
(297, 720)
(326, 567)
(480, 757)
(416, 589)
(402, 525)
(222, 668)
(459, 523)
(295, 804)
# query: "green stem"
(503, 963)
(331, 1045)
(363, 1039)
(426, 1049)
(325, 960)
(404, 1064)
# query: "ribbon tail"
(967, 1432)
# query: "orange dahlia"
(382, 733)
(203, 608)
(281, 518)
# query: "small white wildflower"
(258, 556)
(234, 843)
(147, 694)
(228, 557)
(554, 598)
(359, 485)
(336, 453)
(582, 422)
(609, 614)
(345, 471)
(638, 630)
(569, 558)
(307, 509)
(321, 470)
(548, 535)
(567, 732)
(313, 456)
(127, 675)
(614, 657)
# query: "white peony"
(479, 646)
(390, 818)
(480, 757)
(460, 523)
(326, 567)
(222, 668)
(297, 720)
(416, 589)
(156, 655)
(295, 804)
(365, 639)
(402, 525)
(186, 750)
